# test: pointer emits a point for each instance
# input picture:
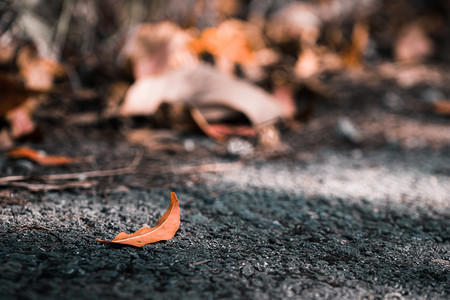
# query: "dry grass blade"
(81, 175)
(37, 187)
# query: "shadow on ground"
(254, 243)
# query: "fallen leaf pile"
(168, 65)
(205, 89)
(208, 60)
(163, 59)
(165, 228)
(19, 101)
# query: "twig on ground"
(199, 263)
(216, 167)
(81, 175)
(35, 226)
(37, 187)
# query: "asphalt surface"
(343, 225)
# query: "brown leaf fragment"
(153, 49)
(413, 44)
(40, 157)
(442, 107)
(37, 71)
(5, 140)
(20, 119)
(13, 94)
(219, 131)
(235, 43)
(165, 228)
(17, 105)
(7, 50)
(39, 187)
(353, 56)
(155, 140)
(229, 40)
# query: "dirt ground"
(335, 213)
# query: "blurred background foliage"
(64, 28)
(84, 39)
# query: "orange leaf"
(37, 71)
(442, 107)
(20, 119)
(228, 40)
(12, 94)
(220, 131)
(40, 158)
(165, 228)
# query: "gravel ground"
(343, 225)
(363, 214)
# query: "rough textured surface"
(325, 218)
(269, 231)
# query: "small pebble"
(247, 271)
(25, 164)
(392, 100)
(240, 147)
(431, 95)
(189, 145)
(345, 129)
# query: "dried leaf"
(219, 131)
(17, 105)
(37, 71)
(228, 8)
(201, 87)
(20, 118)
(12, 94)
(413, 44)
(353, 56)
(19, 101)
(294, 22)
(153, 49)
(155, 140)
(227, 40)
(442, 107)
(235, 42)
(307, 64)
(40, 157)
(165, 228)
(6, 141)
(7, 50)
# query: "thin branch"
(37, 187)
(62, 28)
(206, 168)
(200, 263)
